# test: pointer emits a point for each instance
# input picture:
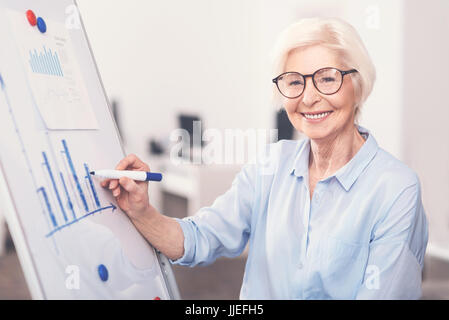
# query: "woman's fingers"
(128, 184)
(132, 162)
(109, 183)
(113, 184)
(116, 192)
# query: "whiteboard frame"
(18, 235)
(9, 210)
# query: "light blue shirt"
(363, 234)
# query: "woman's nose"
(310, 94)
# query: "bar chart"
(45, 62)
(66, 196)
(72, 238)
(58, 204)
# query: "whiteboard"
(72, 239)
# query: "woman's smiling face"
(340, 105)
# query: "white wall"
(160, 57)
(426, 111)
(212, 57)
(380, 24)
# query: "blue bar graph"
(56, 229)
(47, 203)
(70, 175)
(50, 192)
(55, 188)
(75, 176)
(94, 192)
(45, 62)
(69, 202)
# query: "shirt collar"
(349, 173)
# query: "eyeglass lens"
(327, 81)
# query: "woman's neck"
(330, 154)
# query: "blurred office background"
(165, 63)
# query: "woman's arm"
(223, 228)
(164, 233)
(397, 250)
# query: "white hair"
(335, 34)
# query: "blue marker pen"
(135, 175)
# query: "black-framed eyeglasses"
(326, 80)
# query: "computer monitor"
(285, 128)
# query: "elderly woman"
(331, 216)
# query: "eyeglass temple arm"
(349, 71)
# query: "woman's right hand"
(131, 196)
(163, 232)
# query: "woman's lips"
(316, 117)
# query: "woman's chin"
(315, 133)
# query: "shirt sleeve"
(223, 228)
(396, 252)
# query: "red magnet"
(31, 18)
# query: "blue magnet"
(41, 25)
(103, 272)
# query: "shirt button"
(300, 265)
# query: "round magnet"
(103, 272)
(31, 17)
(41, 25)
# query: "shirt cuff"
(189, 248)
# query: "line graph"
(58, 228)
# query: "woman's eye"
(327, 79)
(295, 83)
